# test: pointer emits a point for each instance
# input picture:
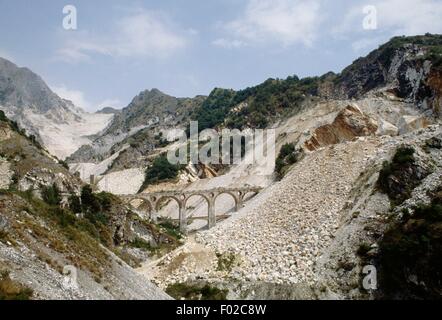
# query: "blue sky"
(185, 48)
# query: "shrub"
(3, 116)
(160, 170)
(399, 177)
(412, 248)
(404, 155)
(226, 261)
(51, 195)
(287, 157)
(171, 228)
(12, 290)
(140, 244)
(363, 249)
(75, 204)
(64, 164)
(89, 202)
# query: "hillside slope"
(46, 232)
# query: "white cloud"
(229, 44)
(283, 21)
(410, 17)
(76, 96)
(394, 17)
(140, 34)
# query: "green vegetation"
(412, 249)
(386, 52)
(75, 204)
(14, 126)
(64, 232)
(264, 103)
(226, 261)
(288, 156)
(51, 195)
(165, 234)
(3, 116)
(363, 249)
(161, 170)
(399, 177)
(12, 290)
(96, 206)
(64, 164)
(196, 292)
(140, 244)
(172, 229)
(160, 141)
(4, 236)
(215, 108)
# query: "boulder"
(386, 128)
(412, 123)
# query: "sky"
(187, 48)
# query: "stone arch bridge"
(154, 200)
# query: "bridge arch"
(160, 200)
(233, 195)
(198, 199)
(197, 194)
(144, 204)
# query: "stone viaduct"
(154, 200)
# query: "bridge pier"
(239, 202)
(183, 219)
(212, 214)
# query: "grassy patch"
(171, 228)
(226, 261)
(12, 290)
(78, 238)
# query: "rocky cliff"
(58, 124)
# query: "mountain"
(50, 220)
(405, 68)
(139, 128)
(353, 209)
(356, 186)
(57, 123)
(151, 108)
(408, 67)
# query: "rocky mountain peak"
(21, 88)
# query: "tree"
(89, 202)
(51, 195)
(75, 204)
(161, 170)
